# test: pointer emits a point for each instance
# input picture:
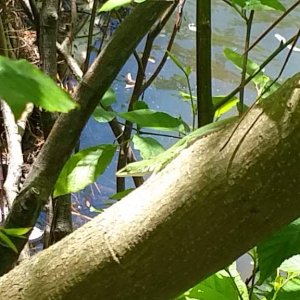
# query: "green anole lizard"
(156, 164)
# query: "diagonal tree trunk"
(45, 170)
(205, 209)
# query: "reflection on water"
(228, 31)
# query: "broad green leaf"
(241, 3)
(261, 81)
(140, 105)
(100, 114)
(266, 289)
(260, 4)
(21, 82)
(7, 241)
(225, 107)
(16, 232)
(115, 4)
(290, 290)
(219, 286)
(291, 265)
(154, 119)
(108, 98)
(264, 5)
(120, 195)
(280, 246)
(219, 112)
(186, 97)
(277, 5)
(83, 168)
(147, 146)
(103, 116)
(237, 60)
(240, 284)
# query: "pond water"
(228, 31)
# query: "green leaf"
(21, 82)
(147, 146)
(188, 70)
(290, 290)
(7, 241)
(140, 105)
(237, 60)
(219, 286)
(16, 232)
(261, 81)
(83, 168)
(239, 283)
(120, 195)
(291, 265)
(275, 4)
(108, 98)
(266, 289)
(153, 119)
(259, 5)
(241, 3)
(103, 116)
(186, 97)
(115, 4)
(157, 163)
(225, 107)
(282, 245)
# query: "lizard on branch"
(157, 163)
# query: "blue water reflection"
(228, 31)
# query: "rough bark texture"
(46, 168)
(61, 206)
(48, 55)
(196, 216)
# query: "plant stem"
(234, 284)
(203, 49)
(254, 258)
(191, 99)
(245, 60)
(249, 78)
(273, 25)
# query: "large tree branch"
(190, 220)
(67, 129)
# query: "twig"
(273, 25)
(176, 28)
(250, 77)
(114, 125)
(284, 64)
(71, 62)
(138, 89)
(90, 36)
(245, 60)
